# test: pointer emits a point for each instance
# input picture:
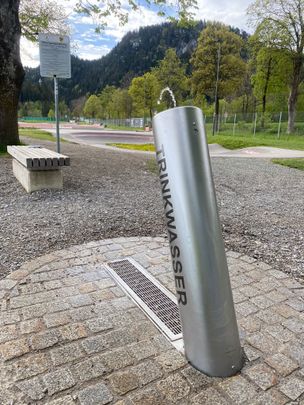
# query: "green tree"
(145, 91)
(121, 103)
(51, 114)
(106, 97)
(217, 45)
(32, 16)
(272, 67)
(171, 73)
(92, 107)
(280, 25)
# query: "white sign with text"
(55, 56)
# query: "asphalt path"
(99, 137)
(96, 137)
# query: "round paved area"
(69, 334)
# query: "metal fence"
(238, 124)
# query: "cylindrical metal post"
(279, 127)
(234, 122)
(255, 123)
(57, 113)
(198, 256)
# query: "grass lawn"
(293, 163)
(230, 141)
(36, 134)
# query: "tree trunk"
(11, 71)
(268, 73)
(293, 94)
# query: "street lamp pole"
(215, 119)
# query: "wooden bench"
(38, 168)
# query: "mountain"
(135, 54)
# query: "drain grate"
(159, 303)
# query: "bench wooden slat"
(38, 158)
(17, 154)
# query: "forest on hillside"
(221, 69)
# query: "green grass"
(36, 134)
(124, 128)
(293, 163)
(244, 140)
(147, 147)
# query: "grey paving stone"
(43, 340)
(56, 319)
(147, 372)
(286, 311)
(14, 348)
(171, 360)
(209, 396)
(116, 359)
(82, 314)
(296, 303)
(261, 375)
(142, 350)
(270, 397)
(123, 382)
(7, 333)
(246, 308)
(89, 369)
(66, 354)
(292, 388)
(238, 389)
(250, 323)
(9, 317)
(73, 331)
(29, 366)
(280, 333)
(263, 342)
(262, 301)
(269, 316)
(33, 388)
(97, 394)
(148, 396)
(58, 380)
(251, 353)
(66, 400)
(99, 324)
(80, 300)
(294, 324)
(31, 326)
(195, 378)
(282, 364)
(174, 388)
(95, 344)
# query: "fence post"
(234, 121)
(255, 123)
(279, 127)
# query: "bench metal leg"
(34, 180)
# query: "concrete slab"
(34, 180)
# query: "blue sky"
(89, 45)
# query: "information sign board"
(55, 56)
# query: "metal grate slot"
(158, 303)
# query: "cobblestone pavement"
(69, 335)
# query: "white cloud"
(139, 18)
(88, 45)
(229, 12)
(29, 53)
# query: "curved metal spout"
(171, 95)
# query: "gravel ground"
(108, 194)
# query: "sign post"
(199, 262)
(55, 61)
